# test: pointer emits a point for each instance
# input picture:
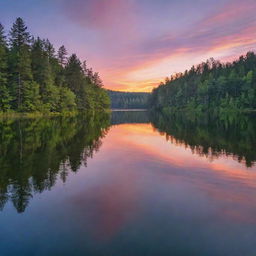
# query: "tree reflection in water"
(211, 135)
(35, 152)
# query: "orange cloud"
(231, 32)
(133, 56)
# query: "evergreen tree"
(211, 86)
(62, 56)
(67, 100)
(4, 92)
(19, 36)
(40, 65)
(24, 95)
(33, 78)
(75, 80)
(49, 49)
(2, 36)
(43, 75)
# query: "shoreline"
(17, 115)
(129, 110)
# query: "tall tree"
(43, 75)
(19, 36)
(62, 56)
(211, 85)
(49, 48)
(75, 80)
(24, 91)
(4, 92)
(34, 78)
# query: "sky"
(135, 44)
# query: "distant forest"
(211, 85)
(128, 100)
(36, 78)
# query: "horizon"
(135, 45)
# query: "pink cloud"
(123, 47)
(106, 16)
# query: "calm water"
(130, 184)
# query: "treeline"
(36, 153)
(34, 77)
(128, 100)
(210, 85)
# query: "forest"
(34, 77)
(212, 85)
(128, 100)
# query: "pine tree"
(2, 36)
(19, 36)
(211, 85)
(33, 78)
(49, 49)
(24, 95)
(40, 64)
(62, 56)
(75, 80)
(43, 75)
(4, 92)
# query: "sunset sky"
(135, 44)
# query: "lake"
(133, 183)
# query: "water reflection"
(129, 117)
(35, 152)
(210, 135)
(139, 195)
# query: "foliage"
(210, 86)
(34, 78)
(4, 92)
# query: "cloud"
(141, 42)
(104, 16)
(223, 34)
